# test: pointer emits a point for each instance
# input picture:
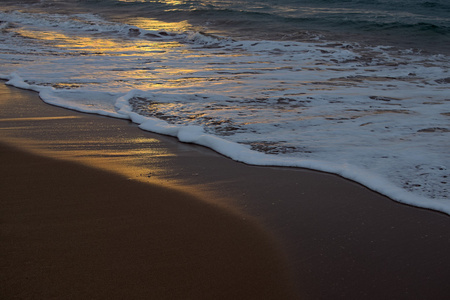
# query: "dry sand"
(343, 241)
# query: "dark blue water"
(418, 24)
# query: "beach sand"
(181, 220)
(74, 232)
(69, 231)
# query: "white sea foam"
(377, 116)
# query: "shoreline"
(342, 239)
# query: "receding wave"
(336, 107)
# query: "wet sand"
(343, 241)
(70, 231)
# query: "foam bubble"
(377, 116)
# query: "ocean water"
(357, 88)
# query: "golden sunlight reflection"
(141, 159)
(87, 44)
(156, 25)
(157, 62)
(171, 2)
(98, 45)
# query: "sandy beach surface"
(93, 207)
